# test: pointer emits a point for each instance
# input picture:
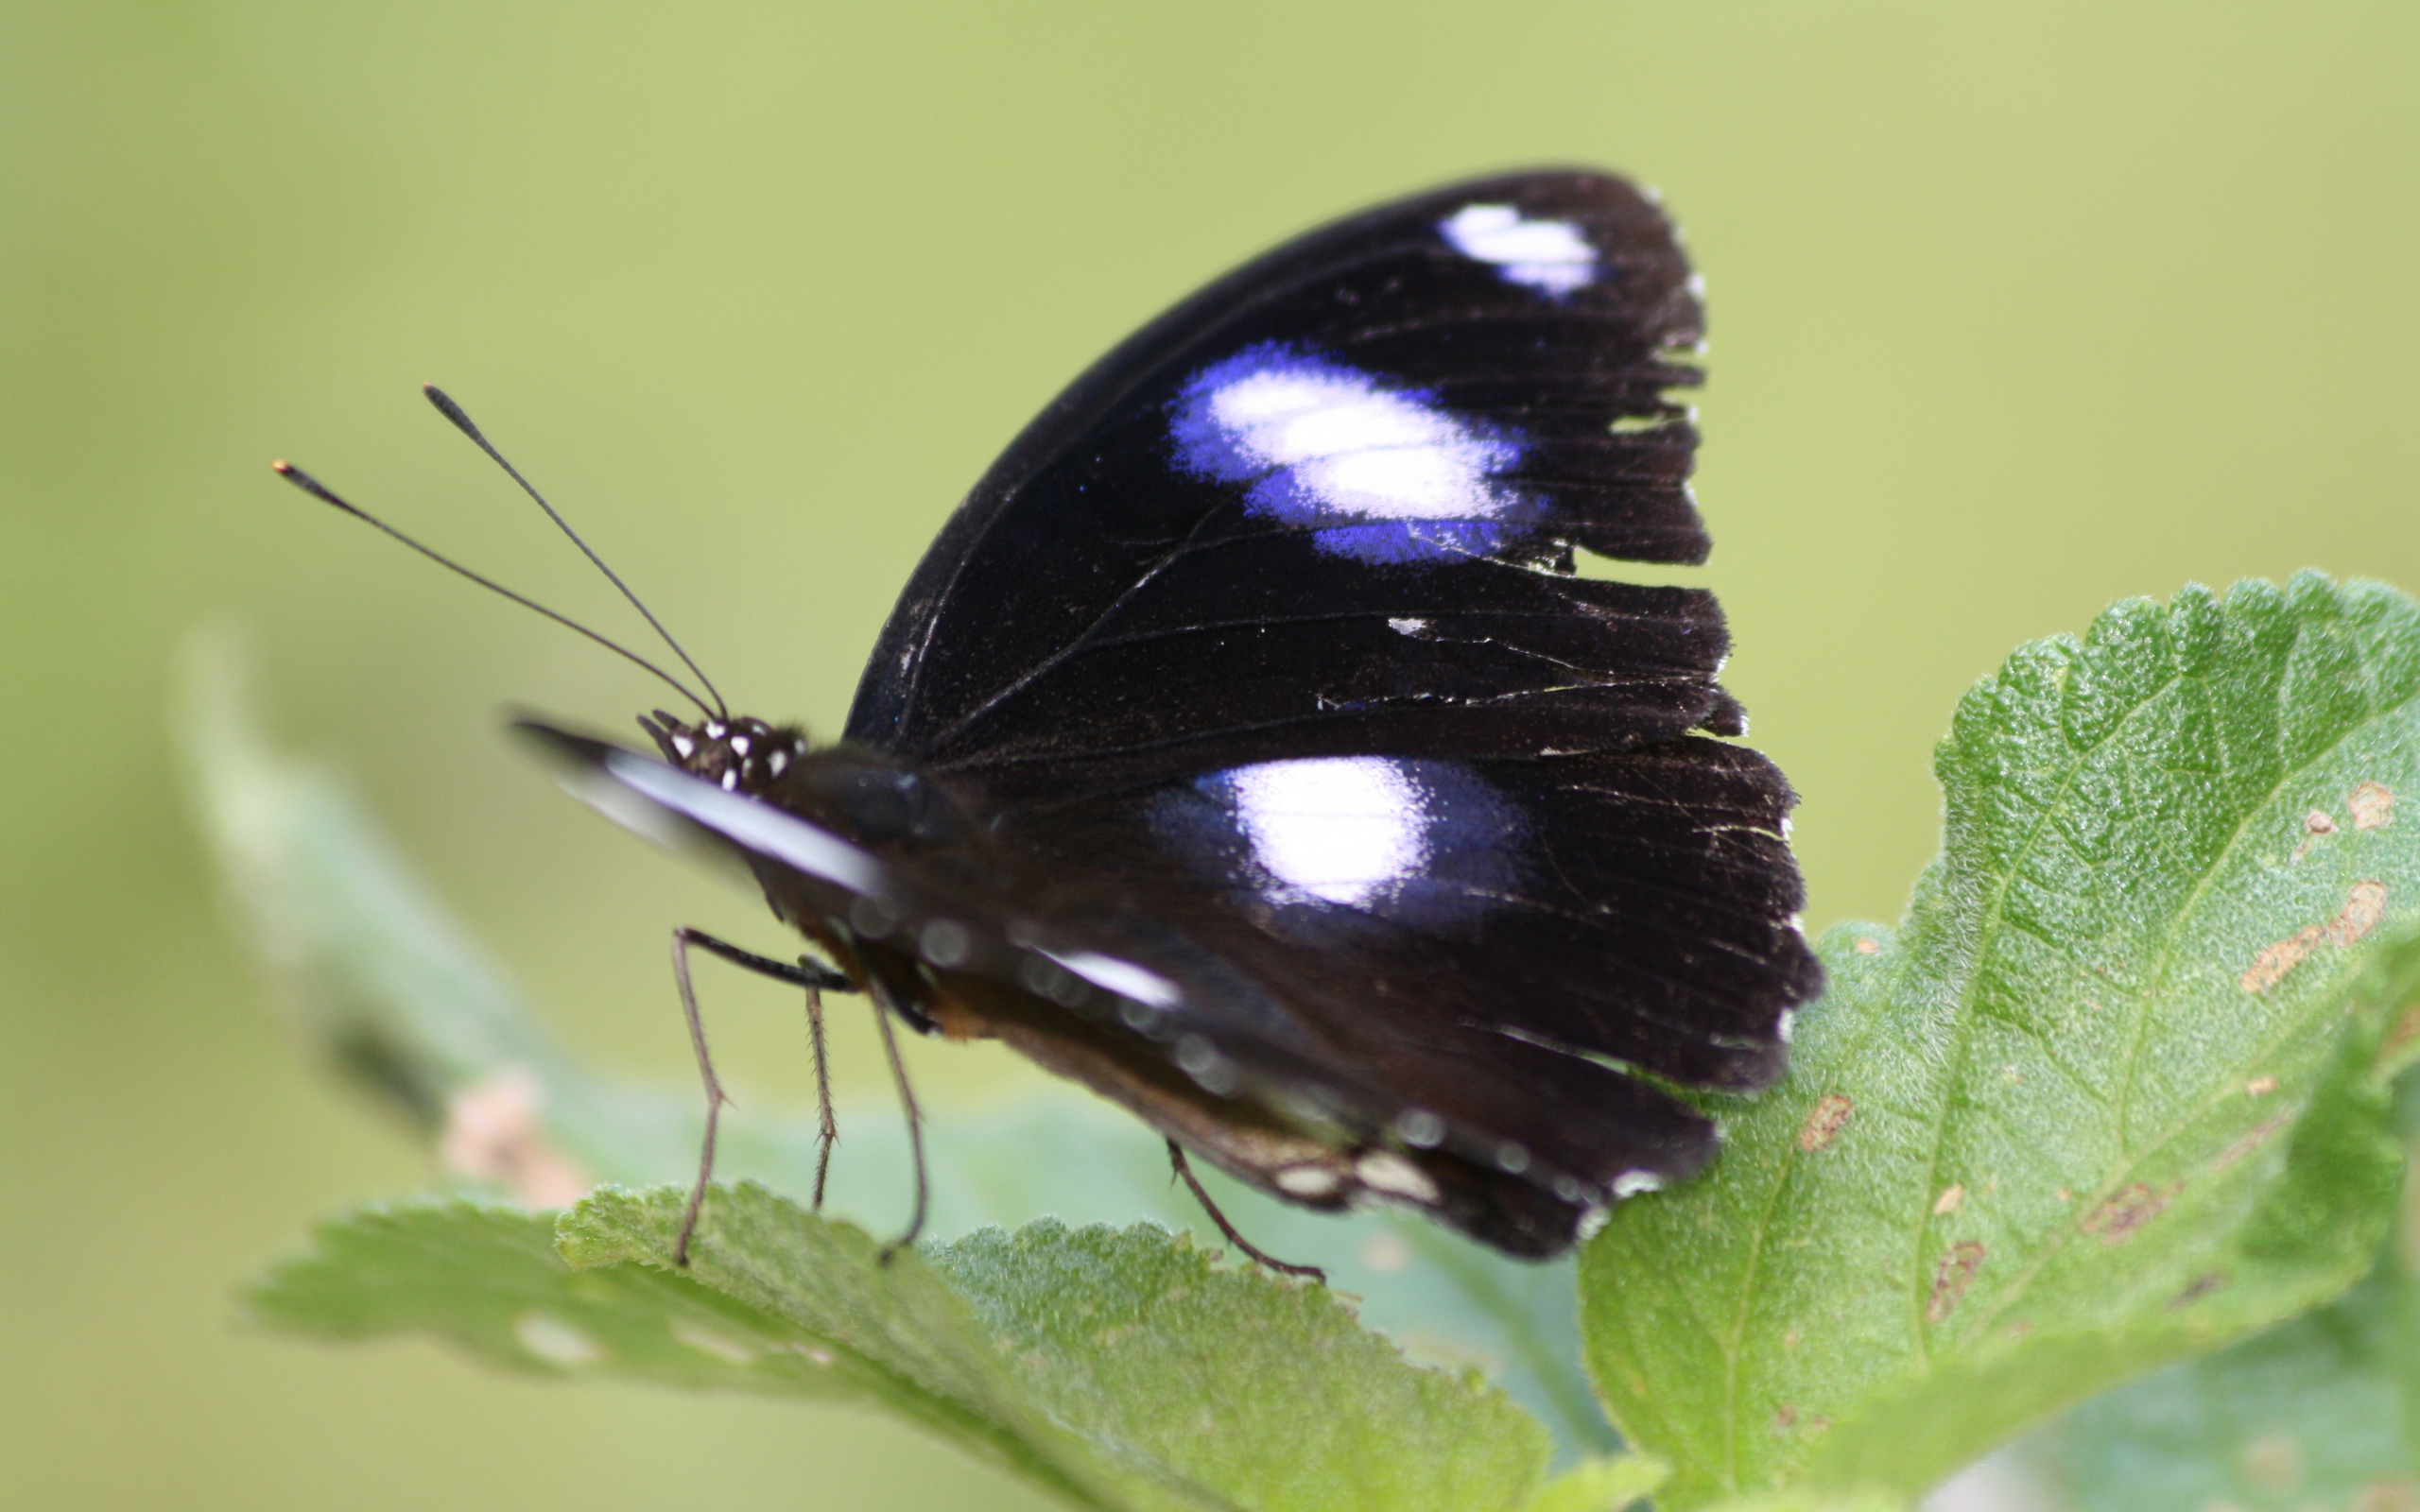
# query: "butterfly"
(1247, 749)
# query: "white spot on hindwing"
(1338, 828)
(1552, 256)
(1385, 1170)
(1308, 1180)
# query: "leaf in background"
(390, 990)
(2102, 1103)
(1114, 1369)
(2316, 1412)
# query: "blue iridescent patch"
(1380, 473)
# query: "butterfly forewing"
(1329, 503)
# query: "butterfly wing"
(1302, 969)
(1320, 812)
(1328, 505)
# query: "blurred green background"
(2016, 311)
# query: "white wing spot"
(1548, 255)
(1385, 1170)
(1338, 829)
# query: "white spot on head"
(1787, 1025)
(739, 743)
(686, 747)
(1308, 1180)
(1548, 255)
(779, 761)
(1406, 626)
(555, 1341)
(1385, 1170)
(1697, 285)
(1593, 1222)
(714, 729)
(1630, 1183)
(731, 780)
(1340, 829)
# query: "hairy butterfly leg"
(807, 973)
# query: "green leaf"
(393, 995)
(1864, 1499)
(1602, 1484)
(2321, 1410)
(2107, 1099)
(2315, 1412)
(1115, 1370)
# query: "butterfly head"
(736, 755)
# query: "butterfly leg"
(886, 1003)
(1193, 1184)
(827, 1131)
(813, 977)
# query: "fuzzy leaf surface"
(2108, 1098)
(1113, 1368)
(2321, 1410)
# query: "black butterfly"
(1246, 748)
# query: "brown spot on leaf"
(2270, 967)
(2116, 1219)
(2372, 805)
(2019, 1329)
(2316, 827)
(2248, 1143)
(1951, 1278)
(2364, 907)
(2400, 1034)
(2200, 1286)
(2062, 1194)
(1784, 1417)
(1951, 1195)
(1831, 1111)
(2260, 1086)
(1866, 945)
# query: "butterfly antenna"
(460, 421)
(325, 495)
